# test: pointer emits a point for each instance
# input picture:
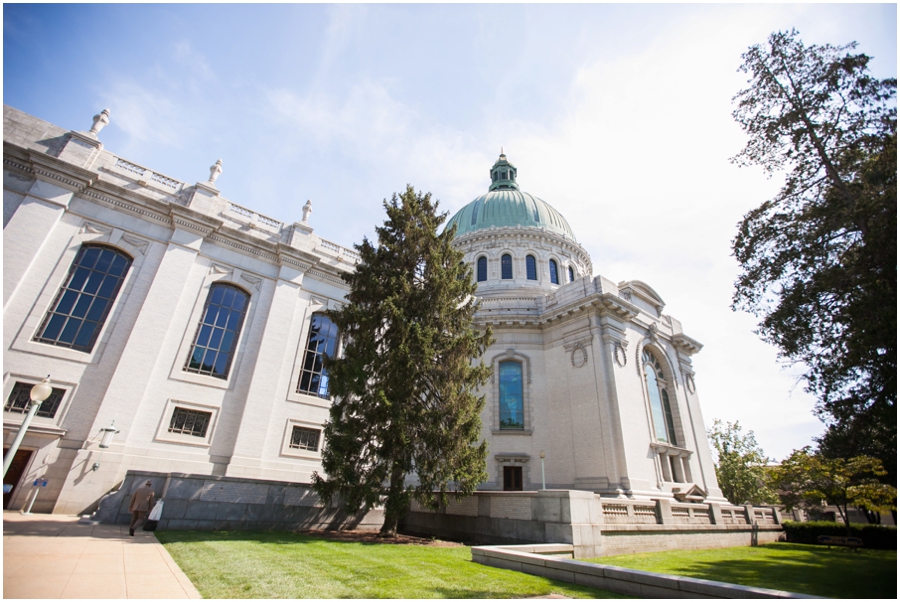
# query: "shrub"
(875, 537)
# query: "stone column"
(272, 367)
(27, 231)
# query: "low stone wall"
(204, 502)
(564, 516)
(593, 525)
(548, 561)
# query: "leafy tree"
(403, 388)
(740, 465)
(806, 479)
(819, 260)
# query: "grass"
(806, 569)
(257, 564)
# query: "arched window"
(512, 406)
(660, 409)
(554, 272)
(506, 267)
(218, 331)
(571, 274)
(482, 269)
(322, 341)
(83, 302)
(530, 267)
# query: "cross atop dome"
(503, 174)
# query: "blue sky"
(617, 115)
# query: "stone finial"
(307, 209)
(215, 171)
(101, 120)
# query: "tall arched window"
(83, 302)
(322, 341)
(482, 269)
(512, 406)
(571, 274)
(530, 267)
(506, 271)
(660, 409)
(218, 331)
(554, 272)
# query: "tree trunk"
(394, 505)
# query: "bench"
(835, 540)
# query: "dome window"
(506, 271)
(571, 274)
(482, 269)
(554, 272)
(530, 267)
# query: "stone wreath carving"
(579, 356)
(689, 382)
(619, 354)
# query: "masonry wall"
(208, 503)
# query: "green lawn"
(806, 569)
(267, 564)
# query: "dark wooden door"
(512, 478)
(15, 472)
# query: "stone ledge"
(614, 579)
(682, 528)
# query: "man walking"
(141, 501)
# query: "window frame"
(306, 350)
(525, 361)
(504, 265)
(164, 436)
(667, 416)
(553, 266)
(531, 268)
(479, 263)
(201, 323)
(303, 454)
(89, 233)
(80, 294)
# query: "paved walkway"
(52, 556)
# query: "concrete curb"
(543, 560)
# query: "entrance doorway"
(512, 478)
(15, 472)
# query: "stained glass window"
(84, 300)
(512, 407)
(506, 271)
(321, 342)
(214, 345)
(530, 267)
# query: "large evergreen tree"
(403, 388)
(819, 260)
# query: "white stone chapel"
(191, 327)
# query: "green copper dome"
(506, 206)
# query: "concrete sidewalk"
(52, 556)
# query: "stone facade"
(581, 343)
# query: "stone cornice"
(686, 344)
(60, 173)
(192, 220)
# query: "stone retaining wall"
(205, 502)
(593, 525)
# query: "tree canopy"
(741, 465)
(818, 261)
(806, 479)
(403, 388)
